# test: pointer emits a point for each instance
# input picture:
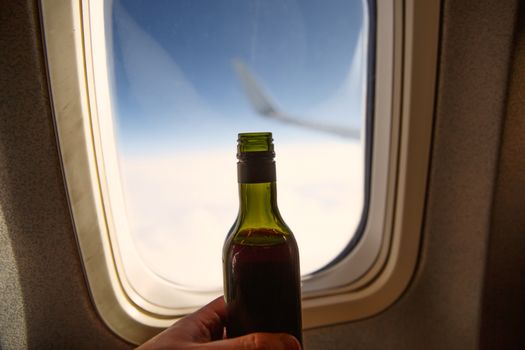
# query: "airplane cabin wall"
(468, 291)
(448, 304)
(503, 316)
(44, 300)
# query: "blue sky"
(174, 80)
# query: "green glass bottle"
(262, 281)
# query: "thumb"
(257, 341)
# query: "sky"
(179, 106)
(174, 66)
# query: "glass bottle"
(262, 281)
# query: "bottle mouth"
(256, 157)
(255, 144)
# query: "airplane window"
(148, 99)
(187, 76)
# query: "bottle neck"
(256, 167)
(258, 205)
(257, 189)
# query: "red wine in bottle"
(262, 283)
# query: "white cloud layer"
(181, 206)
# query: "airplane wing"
(262, 104)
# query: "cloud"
(181, 206)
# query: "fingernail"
(291, 342)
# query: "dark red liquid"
(263, 287)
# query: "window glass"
(188, 75)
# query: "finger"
(217, 306)
(204, 325)
(256, 341)
(207, 323)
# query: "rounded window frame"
(369, 279)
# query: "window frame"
(405, 74)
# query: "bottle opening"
(255, 142)
(256, 154)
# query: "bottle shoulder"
(260, 235)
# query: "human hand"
(204, 329)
